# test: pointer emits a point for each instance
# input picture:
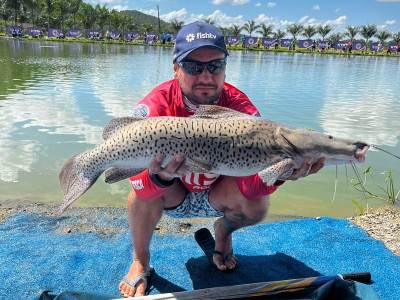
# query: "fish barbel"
(215, 139)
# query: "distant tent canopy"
(286, 42)
(305, 44)
(268, 42)
(151, 37)
(74, 33)
(55, 32)
(93, 32)
(132, 35)
(250, 41)
(13, 29)
(34, 32)
(232, 40)
(323, 44)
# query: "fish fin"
(73, 180)
(116, 174)
(281, 169)
(217, 112)
(197, 167)
(116, 124)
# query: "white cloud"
(390, 22)
(120, 7)
(174, 15)
(258, 4)
(303, 19)
(271, 4)
(337, 10)
(315, 7)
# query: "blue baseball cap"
(197, 35)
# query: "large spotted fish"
(214, 139)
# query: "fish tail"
(76, 177)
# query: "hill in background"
(140, 18)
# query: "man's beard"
(204, 98)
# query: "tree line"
(78, 14)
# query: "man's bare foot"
(223, 243)
(136, 269)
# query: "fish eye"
(330, 137)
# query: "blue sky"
(337, 13)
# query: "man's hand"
(175, 168)
(307, 169)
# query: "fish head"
(301, 143)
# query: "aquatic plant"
(388, 195)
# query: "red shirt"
(166, 100)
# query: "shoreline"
(228, 47)
(382, 224)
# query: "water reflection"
(55, 99)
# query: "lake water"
(55, 99)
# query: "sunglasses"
(195, 68)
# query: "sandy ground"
(382, 224)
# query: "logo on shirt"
(137, 184)
(141, 110)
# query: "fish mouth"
(360, 152)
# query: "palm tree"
(15, 6)
(63, 8)
(176, 25)
(294, 30)
(87, 15)
(279, 34)
(147, 27)
(265, 30)
(383, 35)
(223, 30)
(324, 30)
(368, 31)
(396, 38)
(351, 32)
(235, 29)
(50, 7)
(309, 32)
(102, 14)
(74, 6)
(5, 13)
(336, 37)
(250, 26)
(209, 21)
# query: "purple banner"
(91, 33)
(324, 45)
(374, 47)
(285, 42)
(151, 37)
(250, 41)
(340, 45)
(74, 33)
(359, 46)
(306, 44)
(132, 35)
(232, 40)
(55, 32)
(268, 42)
(35, 32)
(115, 34)
(392, 47)
(14, 30)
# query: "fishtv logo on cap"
(196, 35)
(190, 37)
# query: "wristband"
(253, 188)
(145, 188)
(160, 182)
